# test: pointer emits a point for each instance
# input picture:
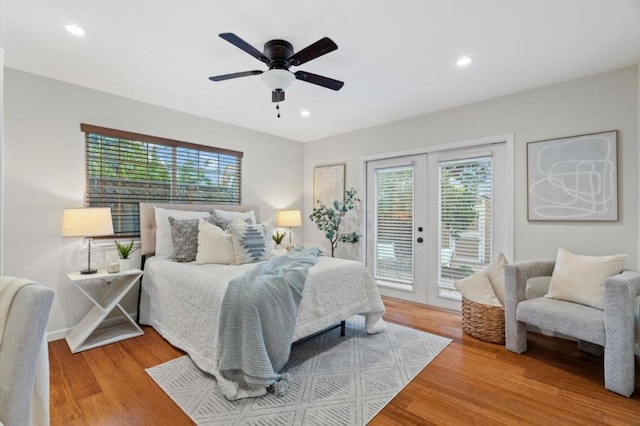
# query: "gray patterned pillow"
(185, 239)
(249, 242)
(184, 233)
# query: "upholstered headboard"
(148, 219)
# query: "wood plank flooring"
(470, 382)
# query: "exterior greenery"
(328, 220)
(123, 172)
(461, 182)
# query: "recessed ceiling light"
(463, 61)
(304, 113)
(75, 30)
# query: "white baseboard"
(61, 334)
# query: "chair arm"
(515, 286)
(620, 293)
(620, 298)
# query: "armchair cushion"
(572, 319)
(580, 279)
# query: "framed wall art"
(573, 178)
(328, 184)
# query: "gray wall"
(44, 173)
(607, 101)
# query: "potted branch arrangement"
(124, 250)
(329, 218)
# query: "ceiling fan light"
(278, 79)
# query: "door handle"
(420, 239)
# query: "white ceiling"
(397, 59)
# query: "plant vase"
(125, 264)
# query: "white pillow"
(580, 279)
(164, 241)
(495, 272)
(231, 216)
(477, 288)
(214, 244)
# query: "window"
(393, 237)
(465, 225)
(124, 169)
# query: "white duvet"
(182, 302)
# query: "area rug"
(336, 380)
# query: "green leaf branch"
(329, 218)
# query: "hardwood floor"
(470, 382)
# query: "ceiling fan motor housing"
(279, 52)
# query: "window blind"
(464, 225)
(124, 169)
(393, 235)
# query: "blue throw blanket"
(258, 318)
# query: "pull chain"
(278, 109)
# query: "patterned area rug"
(336, 380)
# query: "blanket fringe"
(281, 387)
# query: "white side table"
(105, 291)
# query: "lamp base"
(88, 257)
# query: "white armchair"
(23, 351)
(595, 329)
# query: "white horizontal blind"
(393, 257)
(124, 169)
(465, 221)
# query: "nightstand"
(105, 291)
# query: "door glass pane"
(393, 234)
(465, 221)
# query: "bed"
(182, 300)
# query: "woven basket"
(483, 322)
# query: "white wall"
(1, 156)
(1, 140)
(638, 181)
(607, 101)
(44, 172)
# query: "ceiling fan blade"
(320, 80)
(235, 75)
(277, 96)
(319, 48)
(241, 44)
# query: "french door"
(431, 220)
(396, 226)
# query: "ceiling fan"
(279, 56)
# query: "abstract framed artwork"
(328, 184)
(573, 178)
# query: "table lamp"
(88, 223)
(289, 219)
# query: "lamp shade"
(89, 222)
(289, 218)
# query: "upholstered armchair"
(24, 366)
(595, 329)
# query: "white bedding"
(182, 302)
